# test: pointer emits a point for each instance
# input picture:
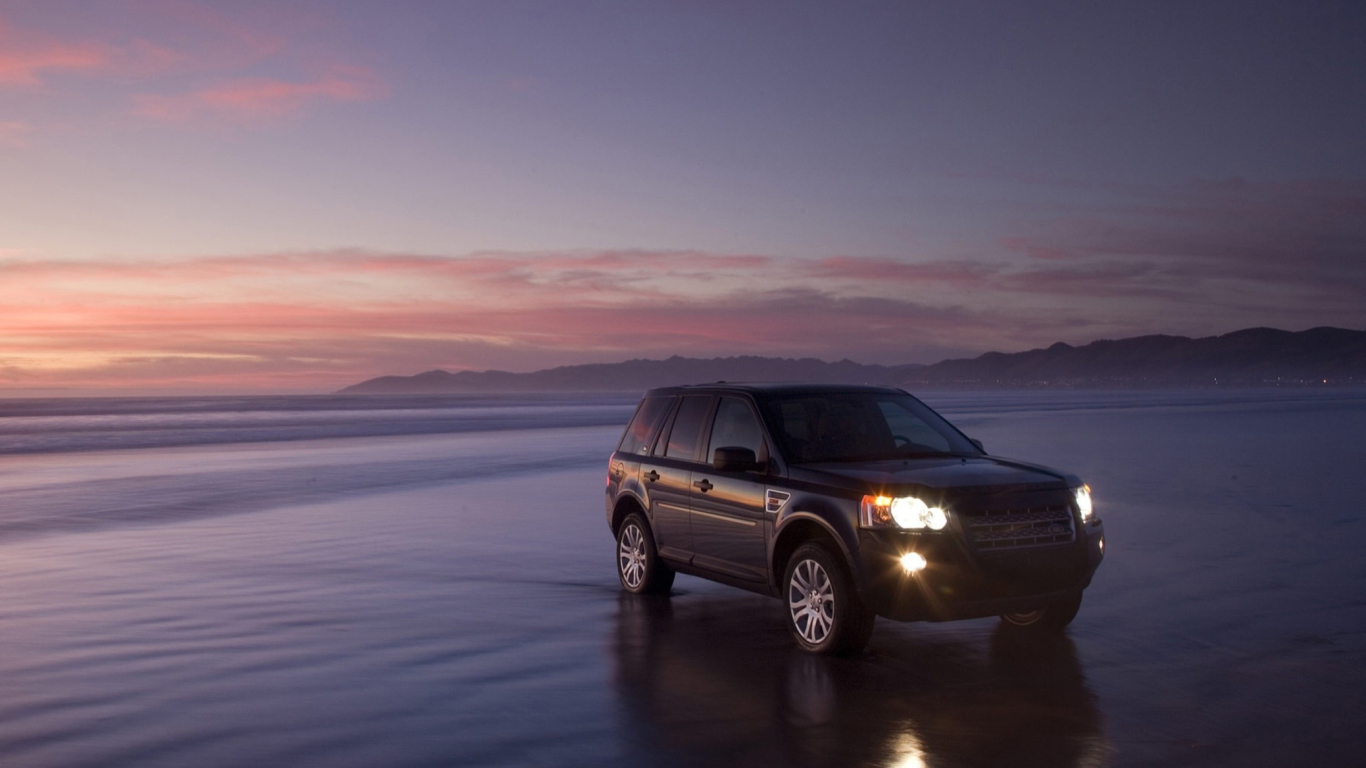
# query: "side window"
(683, 438)
(643, 425)
(735, 427)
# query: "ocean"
(413, 581)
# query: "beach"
(429, 581)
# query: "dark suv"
(850, 503)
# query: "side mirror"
(734, 459)
(977, 443)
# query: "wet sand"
(467, 612)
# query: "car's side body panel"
(837, 519)
(668, 485)
(729, 527)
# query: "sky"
(215, 197)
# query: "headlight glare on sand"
(913, 562)
(901, 512)
(1084, 503)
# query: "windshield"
(861, 426)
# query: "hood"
(939, 473)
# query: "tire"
(1053, 617)
(638, 564)
(824, 611)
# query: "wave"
(89, 424)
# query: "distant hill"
(636, 375)
(1253, 356)
(1256, 356)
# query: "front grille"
(1019, 528)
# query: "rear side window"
(687, 429)
(643, 425)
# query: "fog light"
(1102, 545)
(913, 562)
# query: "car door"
(636, 442)
(729, 527)
(667, 477)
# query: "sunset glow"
(294, 197)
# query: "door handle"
(652, 475)
(704, 485)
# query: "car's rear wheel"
(638, 564)
(1053, 617)
(824, 611)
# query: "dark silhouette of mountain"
(636, 375)
(1256, 356)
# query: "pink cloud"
(1091, 280)
(262, 98)
(225, 56)
(260, 342)
(960, 273)
(1083, 279)
(25, 57)
(321, 320)
(479, 266)
(472, 312)
(28, 58)
(220, 40)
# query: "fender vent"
(774, 500)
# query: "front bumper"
(959, 582)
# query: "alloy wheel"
(631, 556)
(811, 598)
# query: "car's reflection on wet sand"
(715, 680)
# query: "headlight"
(1084, 503)
(901, 512)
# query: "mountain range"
(1251, 357)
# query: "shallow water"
(429, 582)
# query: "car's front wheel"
(638, 564)
(1053, 617)
(824, 611)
